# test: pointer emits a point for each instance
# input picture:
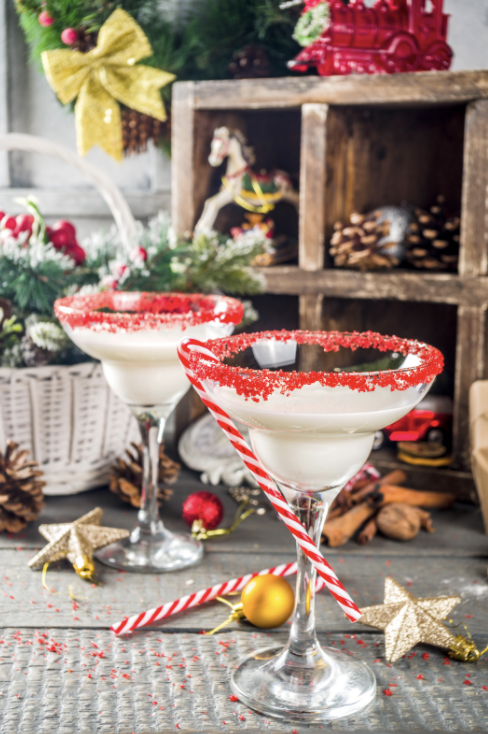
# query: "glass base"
(321, 686)
(152, 552)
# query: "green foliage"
(207, 263)
(219, 263)
(33, 286)
(10, 333)
(198, 44)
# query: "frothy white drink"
(316, 436)
(142, 367)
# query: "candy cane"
(199, 597)
(189, 346)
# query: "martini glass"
(313, 402)
(135, 335)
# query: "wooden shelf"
(359, 142)
(394, 285)
(396, 89)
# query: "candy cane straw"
(189, 346)
(199, 597)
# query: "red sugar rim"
(147, 310)
(257, 384)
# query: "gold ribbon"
(105, 76)
(201, 533)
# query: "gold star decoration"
(407, 620)
(77, 542)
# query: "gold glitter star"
(76, 541)
(407, 620)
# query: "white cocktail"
(313, 402)
(135, 336)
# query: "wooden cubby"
(357, 142)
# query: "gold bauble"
(267, 601)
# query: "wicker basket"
(67, 416)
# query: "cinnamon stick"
(368, 532)
(363, 487)
(389, 493)
(338, 530)
(397, 476)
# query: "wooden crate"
(355, 143)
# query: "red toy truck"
(431, 421)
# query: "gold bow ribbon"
(104, 76)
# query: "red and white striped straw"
(302, 537)
(199, 597)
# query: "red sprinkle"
(467, 682)
(420, 676)
(387, 692)
(142, 311)
(233, 698)
(256, 384)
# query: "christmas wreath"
(211, 39)
(39, 263)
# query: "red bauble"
(203, 506)
(24, 223)
(45, 19)
(63, 226)
(69, 36)
(9, 223)
(60, 239)
(77, 253)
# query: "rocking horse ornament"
(256, 192)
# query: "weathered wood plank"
(163, 683)
(24, 602)
(474, 216)
(182, 158)
(263, 534)
(310, 311)
(313, 162)
(416, 88)
(470, 366)
(394, 285)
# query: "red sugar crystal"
(141, 311)
(256, 384)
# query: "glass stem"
(311, 511)
(151, 427)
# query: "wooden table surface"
(62, 670)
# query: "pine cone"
(433, 239)
(33, 355)
(138, 129)
(21, 497)
(126, 476)
(86, 41)
(358, 244)
(251, 62)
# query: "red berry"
(69, 36)
(138, 253)
(24, 223)
(45, 19)
(67, 227)
(77, 253)
(60, 239)
(9, 223)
